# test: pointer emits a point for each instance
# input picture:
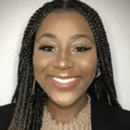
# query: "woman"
(65, 77)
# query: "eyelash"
(83, 49)
(50, 48)
(46, 47)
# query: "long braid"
(24, 104)
(29, 108)
(103, 54)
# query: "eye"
(47, 48)
(82, 49)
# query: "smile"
(66, 83)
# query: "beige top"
(81, 122)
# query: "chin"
(64, 101)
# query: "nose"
(63, 62)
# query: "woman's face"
(65, 57)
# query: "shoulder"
(120, 117)
(113, 111)
(6, 113)
(110, 117)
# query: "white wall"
(14, 15)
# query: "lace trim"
(81, 122)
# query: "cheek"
(88, 66)
(40, 63)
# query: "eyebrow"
(74, 37)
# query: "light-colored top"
(81, 122)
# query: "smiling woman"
(65, 76)
(66, 63)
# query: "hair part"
(29, 108)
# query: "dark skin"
(71, 52)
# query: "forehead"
(65, 22)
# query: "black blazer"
(103, 117)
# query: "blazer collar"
(99, 116)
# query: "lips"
(64, 83)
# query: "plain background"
(14, 15)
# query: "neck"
(66, 114)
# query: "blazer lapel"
(99, 116)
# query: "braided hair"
(29, 107)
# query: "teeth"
(64, 80)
